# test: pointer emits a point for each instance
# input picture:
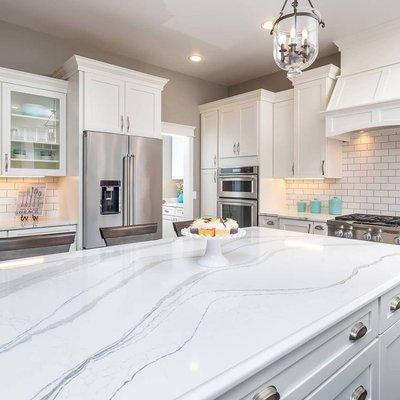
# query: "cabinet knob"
(358, 331)
(269, 393)
(359, 394)
(270, 223)
(395, 304)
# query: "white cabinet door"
(283, 139)
(267, 221)
(247, 145)
(143, 111)
(320, 228)
(390, 363)
(295, 225)
(309, 130)
(229, 131)
(177, 162)
(104, 103)
(209, 193)
(34, 131)
(209, 139)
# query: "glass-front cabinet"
(33, 131)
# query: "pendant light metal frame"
(295, 14)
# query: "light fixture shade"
(295, 44)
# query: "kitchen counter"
(145, 321)
(306, 216)
(177, 205)
(14, 224)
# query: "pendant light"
(295, 35)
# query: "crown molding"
(78, 63)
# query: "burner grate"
(386, 220)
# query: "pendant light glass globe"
(295, 34)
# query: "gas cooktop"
(385, 220)
(369, 227)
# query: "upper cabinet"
(238, 127)
(315, 156)
(243, 122)
(283, 135)
(142, 110)
(209, 139)
(301, 149)
(115, 99)
(33, 125)
(104, 103)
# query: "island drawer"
(389, 309)
(358, 379)
(297, 375)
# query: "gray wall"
(35, 52)
(278, 81)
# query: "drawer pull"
(358, 331)
(319, 228)
(395, 304)
(359, 394)
(269, 393)
(270, 223)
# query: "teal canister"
(316, 206)
(301, 206)
(335, 206)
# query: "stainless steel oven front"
(245, 212)
(238, 183)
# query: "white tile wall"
(371, 176)
(9, 188)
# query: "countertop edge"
(238, 374)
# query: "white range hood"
(367, 94)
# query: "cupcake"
(232, 225)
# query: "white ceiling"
(165, 32)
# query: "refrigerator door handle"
(125, 190)
(131, 189)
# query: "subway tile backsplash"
(371, 176)
(10, 187)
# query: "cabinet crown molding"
(255, 95)
(33, 80)
(327, 71)
(79, 63)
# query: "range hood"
(367, 94)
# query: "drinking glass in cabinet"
(35, 131)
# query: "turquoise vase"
(180, 198)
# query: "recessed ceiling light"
(195, 58)
(267, 25)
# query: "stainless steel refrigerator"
(122, 189)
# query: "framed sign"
(30, 201)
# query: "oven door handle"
(239, 178)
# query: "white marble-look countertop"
(144, 321)
(294, 214)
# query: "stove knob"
(367, 235)
(348, 234)
(339, 232)
(397, 240)
(377, 236)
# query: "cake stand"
(213, 256)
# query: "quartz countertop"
(177, 205)
(42, 223)
(307, 216)
(125, 321)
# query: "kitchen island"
(295, 313)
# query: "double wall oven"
(238, 195)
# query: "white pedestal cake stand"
(213, 256)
